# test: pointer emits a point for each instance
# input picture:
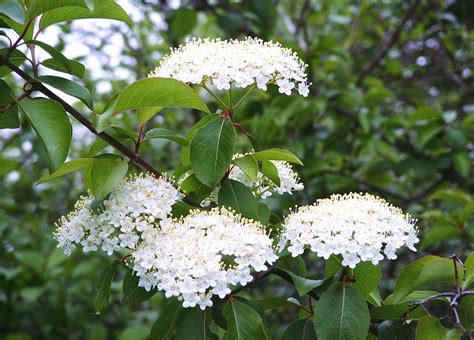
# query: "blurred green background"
(391, 112)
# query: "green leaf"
(13, 10)
(8, 119)
(263, 213)
(193, 187)
(165, 134)
(462, 162)
(332, 265)
(466, 311)
(437, 234)
(159, 92)
(374, 297)
(367, 277)
(243, 322)
(53, 52)
(270, 170)
(469, 265)
(16, 57)
(276, 155)
(186, 151)
(196, 327)
(183, 22)
(394, 330)
(164, 326)
(212, 149)
(302, 284)
(67, 168)
(124, 133)
(106, 174)
(275, 302)
(69, 87)
(38, 7)
(147, 113)
(248, 165)
(428, 270)
(341, 313)
(395, 312)
(77, 69)
(103, 9)
(52, 125)
(430, 328)
(102, 121)
(295, 265)
(453, 195)
(238, 197)
(132, 293)
(300, 330)
(180, 209)
(103, 286)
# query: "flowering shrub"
(201, 235)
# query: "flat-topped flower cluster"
(360, 227)
(202, 254)
(235, 62)
(194, 258)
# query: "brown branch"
(139, 161)
(389, 40)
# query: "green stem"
(230, 97)
(244, 96)
(221, 103)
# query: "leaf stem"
(221, 103)
(246, 94)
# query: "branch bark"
(135, 158)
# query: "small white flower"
(285, 86)
(360, 227)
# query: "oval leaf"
(243, 322)
(106, 174)
(239, 197)
(69, 87)
(341, 313)
(277, 155)
(163, 327)
(132, 293)
(212, 149)
(103, 286)
(38, 7)
(67, 168)
(300, 330)
(53, 127)
(8, 119)
(165, 134)
(159, 92)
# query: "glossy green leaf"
(124, 133)
(67, 168)
(394, 330)
(132, 293)
(248, 165)
(466, 311)
(275, 302)
(159, 92)
(243, 322)
(164, 326)
(395, 312)
(469, 265)
(430, 328)
(462, 162)
(193, 187)
(102, 121)
(8, 119)
(53, 52)
(186, 151)
(304, 285)
(106, 174)
(103, 286)
(341, 313)
(332, 265)
(77, 69)
(196, 327)
(263, 213)
(212, 149)
(103, 9)
(276, 155)
(147, 113)
(13, 10)
(270, 170)
(38, 7)
(367, 276)
(69, 87)
(422, 272)
(165, 134)
(237, 196)
(300, 330)
(52, 125)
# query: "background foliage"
(391, 112)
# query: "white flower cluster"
(264, 187)
(199, 256)
(239, 62)
(132, 211)
(360, 227)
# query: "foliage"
(390, 112)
